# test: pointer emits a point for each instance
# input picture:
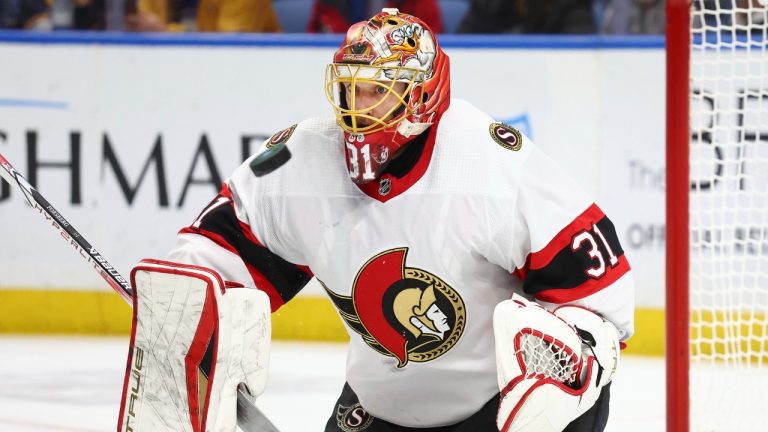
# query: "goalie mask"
(388, 83)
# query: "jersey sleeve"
(224, 238)
(564, 249)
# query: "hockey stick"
(249, 417)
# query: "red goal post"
(717, 215)
(677, 264)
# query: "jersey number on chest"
(360, 159)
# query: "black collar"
(406, 160)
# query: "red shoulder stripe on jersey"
(280, 279)
(522, 271)
(306, 270)
(565, 295)
(583, 258)
(541, 258)
(246, 230)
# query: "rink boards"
(129, 136)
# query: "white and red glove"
(552, 366)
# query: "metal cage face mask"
(385, 102)
(388, 83)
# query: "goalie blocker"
(184, 320)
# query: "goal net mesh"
(729, 216)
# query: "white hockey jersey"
(415, 263)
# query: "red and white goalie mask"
(388, 83)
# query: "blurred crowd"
(334, 16)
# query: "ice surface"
(73, 385)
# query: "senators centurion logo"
(402, 312)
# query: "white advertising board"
(129, 142)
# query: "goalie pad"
(551, 365)
(184, 317)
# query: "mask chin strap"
(408, 129)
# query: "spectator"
(204, 15)
(634, 17)
(712, 13)
(751, 13)
(81, 14)
(335, 16)
(529, 17)
(25, 14)
(89, 15)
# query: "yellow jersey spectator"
(204, 15)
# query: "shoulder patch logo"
(274, 155)
(353, 418)
(281, 137)
(400, 311)
(506, 136)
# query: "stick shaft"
(66, 230)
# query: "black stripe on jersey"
(568, 268)
(609, 232)
(287, 278)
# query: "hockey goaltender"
(482, 289)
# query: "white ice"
(73, 385)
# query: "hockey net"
(727, 224)
(545, 357)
